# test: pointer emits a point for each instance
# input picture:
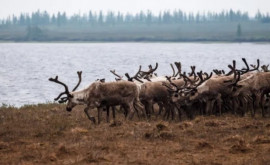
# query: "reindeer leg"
(219, 102)
(172, 111)
(99, 114)
(139, 107)
(148, 107)
(131, 111)
(123, 106)
(245, 104)
(208, 107)
(201, 108)
(252, 108)
(113, 112)
(250, 105)
(160, 105)
(152, 109)
(267, 102)
(137, 111)
(143, 107)
(89, 117)
(179, 111)
(212, 106)
(108, 113)
(167, 113)
(169, 109)
(262, 105)
(235, 105)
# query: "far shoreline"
(132, 41)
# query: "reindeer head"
(195, 91)
(174, 91)
(72, 101)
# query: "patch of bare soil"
(47, 134)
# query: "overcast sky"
(9, 7)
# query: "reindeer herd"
(239, 91)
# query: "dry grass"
(47, 134)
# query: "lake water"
(26, 67)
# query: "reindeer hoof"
(93, 119)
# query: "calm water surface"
(26, 67)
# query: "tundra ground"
(47, 134)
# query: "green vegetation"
(144, 26)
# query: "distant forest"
(143, 26)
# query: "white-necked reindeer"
(99, 94)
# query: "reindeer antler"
(173, 84)
(80, 79)
(247, 69)
(247, 66)
(151, 70)
(232, 68)
(117, 75)
(256, 67)
(59, 82)
(178, 66)
(173, 70)
(192, 71)
(203, 79)
(265, 68)
(135, 76)
(188, 79)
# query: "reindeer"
(257, 88)
(155, 92)
(150, 91)
(100, 94)
(245, 96)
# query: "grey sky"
(9, 7)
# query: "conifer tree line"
(118, 18)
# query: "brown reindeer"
(256, 87)
(100, 94)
